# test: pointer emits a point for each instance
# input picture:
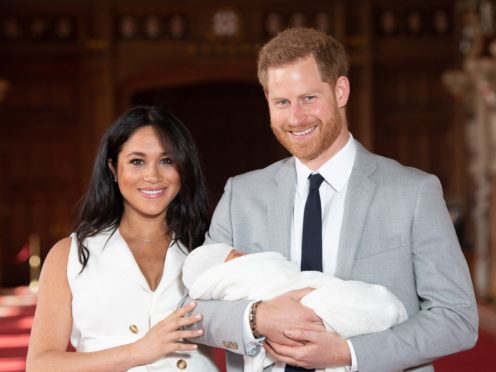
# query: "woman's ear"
(112, 169)
(342, 91)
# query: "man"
(382, 223)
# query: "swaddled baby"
(347, 307)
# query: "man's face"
(304, 111)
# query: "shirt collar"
(336, 171)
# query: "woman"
(113, 287)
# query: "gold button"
(181, 364)
(134, 328)
(230, 345)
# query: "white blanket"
(348, 308)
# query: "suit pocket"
(378, 247)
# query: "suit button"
(134, 328)
(181, 364)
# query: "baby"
(347, 307)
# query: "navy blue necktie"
(311, 243)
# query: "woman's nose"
(153, 174)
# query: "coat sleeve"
(222, 320)
(447, 320)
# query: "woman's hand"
(166, 336)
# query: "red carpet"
(17, 309)
(16, 316)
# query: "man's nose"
(296, 114)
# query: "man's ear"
(342, 91)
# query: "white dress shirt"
(336, 173)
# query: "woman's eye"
(166, 161)
(137, 161)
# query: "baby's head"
(203, 258)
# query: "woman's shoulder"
(56, 260)
(95, 243)
(60, 251)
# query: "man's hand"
(314, 349)
(286, 312)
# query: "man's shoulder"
(265, 175)
(393, 173)
(382, 166)
(394, 167)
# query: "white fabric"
(349, 308)
(111, 294)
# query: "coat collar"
(360, 192)
(123, 262)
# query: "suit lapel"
(360, 192)
(173, 266)
(280, 200)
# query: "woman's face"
(147, 176)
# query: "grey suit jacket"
(396, 232)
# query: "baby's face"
(233, 254)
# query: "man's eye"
(137, 162)
(309, 98)
(282, 102)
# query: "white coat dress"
(113, 305)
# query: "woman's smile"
(152, 193)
